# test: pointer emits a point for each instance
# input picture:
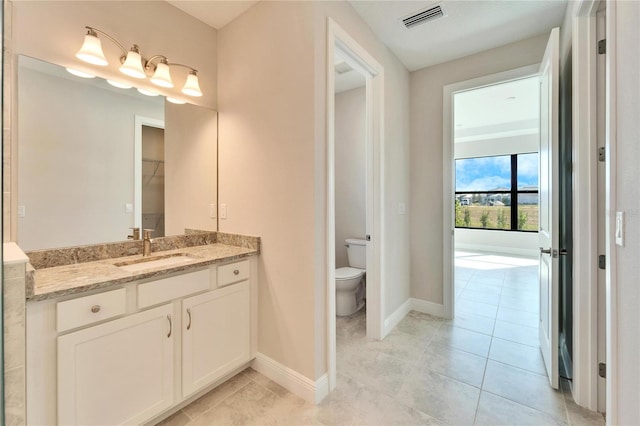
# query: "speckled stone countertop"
(72, 278)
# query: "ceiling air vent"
(430, 14)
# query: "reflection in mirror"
(94, 161)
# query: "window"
(498, 192)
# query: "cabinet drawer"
(89, 309)
(171, 288)
(232, 273)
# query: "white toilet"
(350, 280)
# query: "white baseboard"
(426, 307)
(392, 320)
(291, 380)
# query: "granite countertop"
(51, 282)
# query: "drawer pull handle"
(95, 309)
(189, 313)
(170, 325)
(236, 272)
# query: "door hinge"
(602, 261)
(602, 46)
(602, 154)
(602, 370)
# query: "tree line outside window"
(498, 192)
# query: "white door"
(119, 372)
(216, 335)
(549, 204)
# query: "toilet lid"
(347, 273)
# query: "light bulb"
(148, 92)
(119, 85)
(79, 73)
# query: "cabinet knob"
(236, 272)
(95, 309)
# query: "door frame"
(339, 40)
(448, 172)
(139, 122)
(585, 190)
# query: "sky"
(491, 173)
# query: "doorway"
(340, 45)
(149, 174)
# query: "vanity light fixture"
(147, 92)
(135, 65)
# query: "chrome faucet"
(146, 244)
(135, 234)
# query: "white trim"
(359, 58)
(585, 201)
(140, 121)
(448, 171)
(611, 196)
(397, 316)
(426, 307)
(291, 380)
(533, 253)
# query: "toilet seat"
(347, 273)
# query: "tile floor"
(483, 367)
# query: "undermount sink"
(154, 262)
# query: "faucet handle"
(135, 235)
(147, 233)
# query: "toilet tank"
(357, 253)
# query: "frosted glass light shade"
(162, 76)
(147, 92)
(133, 65)
(91, 51)
(191, 86)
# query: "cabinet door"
(215, 335)
(119, 372)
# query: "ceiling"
(470, 26)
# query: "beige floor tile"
(516, 333)
(445, 399)
(399, 345)
(474, 295)
(177, 419)
(496, 411)
(454, 363)
(524, 387)
(515, 316)
(264, 381)
(419, 324)
(517, 355)
(473, 322)
(465, 340)
(476, 308)
(579, 415)
(379, 371)
(216, 396)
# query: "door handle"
(189, 313)
(170, 326)
(545, 251)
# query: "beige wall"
(426, 152)
(351, 185)
(272, 139)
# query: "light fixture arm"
(92, 32)
(149, 62)
(171, 64)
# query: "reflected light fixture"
(135, 65)
(175, 101)
(79, 73)
(147, 92)
(119, 85)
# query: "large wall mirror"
(95, 160)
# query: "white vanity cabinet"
(215, 336)
(119, 372)
(133, 354)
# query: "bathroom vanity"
(130, 339)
